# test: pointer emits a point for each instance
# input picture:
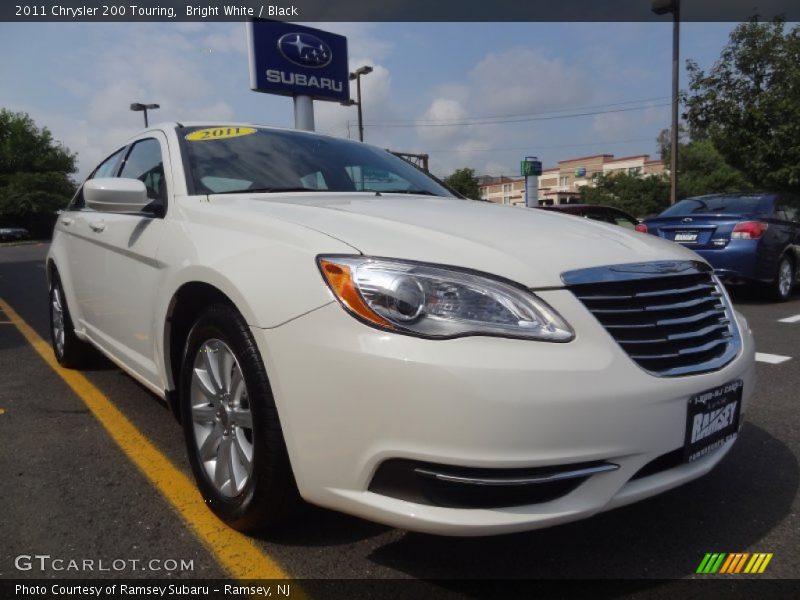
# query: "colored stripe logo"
(737, 562)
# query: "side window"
(107, 168)
(790, 207)
(373, 179)
(622, 220)
(145, 164)
(598, 215)
(314, 181)
(110, 166)
(625, 222)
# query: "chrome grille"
(671, 318)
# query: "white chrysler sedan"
(328, 322)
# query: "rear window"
(730, 205)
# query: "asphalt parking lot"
(69, 491)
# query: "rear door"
(784, 230)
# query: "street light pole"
(139, 107)
(662, 7)
(365, 70)
(673, 177)
(360, 114)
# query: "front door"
(125, 273)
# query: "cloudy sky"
(518, 84)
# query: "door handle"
(67, 221)
(97, 226)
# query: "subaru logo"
(305, 50)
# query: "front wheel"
(233, 435)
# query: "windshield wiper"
(271, 190)
(415, 192)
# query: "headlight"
(438, 302)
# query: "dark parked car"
(596, 212)
(8, 234)
(745, 237)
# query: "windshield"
(239, 159)
(714, 205)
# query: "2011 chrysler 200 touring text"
(325, 319)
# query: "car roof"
(732, 195)
(177, 125)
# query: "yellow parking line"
(237, 553)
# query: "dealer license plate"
(686, 236)
(712, 418)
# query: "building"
(562, 184)
(503, 190)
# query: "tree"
(640, 196)
(748, 103)
(664, 141)
(703, 170)
(464, 182)
(35, 173)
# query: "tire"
(780, 290)
(70, 352)
(229, 416)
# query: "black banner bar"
(729, 587)
(395, 10)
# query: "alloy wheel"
(57, 313)
(785, 278)
(222, 420)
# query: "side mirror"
(115, 195)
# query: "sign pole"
(531, 168)
(304, 113)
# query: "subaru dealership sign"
(293, 60)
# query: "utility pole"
(356, 75)
(662, 7)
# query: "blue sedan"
(745, 237)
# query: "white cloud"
(524, 80)
(164, 64)
(379, 105)
(517, 81)
(441, 110)
(620, 124)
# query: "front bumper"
(351, 397)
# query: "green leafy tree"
(748, 103)
(637, 195)
(703, 170)
(464, 182)
(664, 141)
(35, 173)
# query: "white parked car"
(326, 319)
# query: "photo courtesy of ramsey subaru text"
(330, 323)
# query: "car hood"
(529, 246)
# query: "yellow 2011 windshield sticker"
(219, 133)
